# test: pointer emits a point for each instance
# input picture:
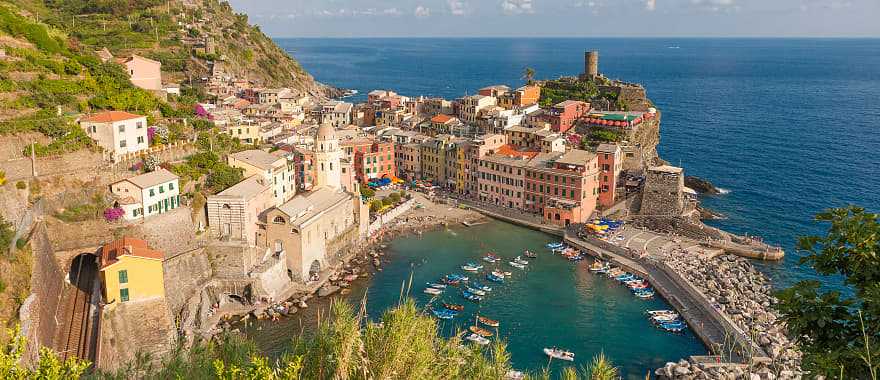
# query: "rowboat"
(498, 273)
(436, 286)
(480, 331)
(520, 260)
(490, 259)
(530, 254)
(444, 314)
(560, 354)
(492, 277)
(478, 285)
(476, 339)
(644, 294)
(471, 267)
(433, 291)
(471, 296)
(455, 276)
(451, 282)
(476, 291)
(665, 318)
(656, 312)
(555, 245)
(516, 265)
(488, 322)
(453, 307)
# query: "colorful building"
(501, 177)
(370, 158)
(522, 97)
(143, 72)
(563, 115)
(117, 132)
(433, 158)
(274, 169)
(610, 164)
(131, 271)
(476, 151)
(562, 187)
(147, 194)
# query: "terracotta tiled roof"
(111, 252)
(441, 118)
(110, 116)
(509, 150)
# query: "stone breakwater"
(735, 288)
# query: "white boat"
(498, 273)
(516, 265)
(477, 339)
(437, 286)
(478, 292)
(433, 291)
(656, 312)
(560, 354)
(514, 375)
(520, 260)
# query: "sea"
(787, 127)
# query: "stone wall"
(185, 276)
(390, 215)
(663, 195)
(47, 283)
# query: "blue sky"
(575, 18)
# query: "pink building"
(610, 165)
(144, 72)
(501, 177)
(562, 187)
(562, 116)
(476, 151)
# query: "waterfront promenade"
(639, 251)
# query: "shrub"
(113, 214)
(368, 192)
(21, 185)
(394, 197)
(387, 201)
(20, 243)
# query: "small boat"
(476, 339)
(444, 314)
(498, 273)
(437, 286)
(492, 277)
(555, 245)
(471, 296)
(645, 294)
(488, 322)
(433, 291)
(520, 260)
(516, 265)
(470, 267)
(560, 354)
(455, 276)
(665, 318)
(530, 254)
(508, 274)
(490, 259)
(451, 282)
(478, 285)
(598, 267)
(453, 307)
(475, 291)
(480, 331)
(656, 312)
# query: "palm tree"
(602, 369)
(528, 74)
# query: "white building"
(148, 194)
(275, 170)
(473, 106)
(118, 132)
(336, 113)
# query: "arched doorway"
(314, 270)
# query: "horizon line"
(588, 37)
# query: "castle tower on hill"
(591, 64)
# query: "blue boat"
(494, 278)
(456, 277)
(471, 296)
(479, 285)
(555, 245)
(444, 313)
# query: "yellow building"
(131, 271)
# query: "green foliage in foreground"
(49, 366)
(839, 333)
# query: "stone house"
(233, 214)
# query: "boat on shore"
(480, 331)
(488, 322)
(557, 353)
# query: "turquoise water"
(553, 302)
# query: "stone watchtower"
(591, 64)
(663, 195)
(327, 157)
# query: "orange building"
(610, 165)
(562, 187)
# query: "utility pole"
(34, 159)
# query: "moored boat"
(492, 277)
(478, 285)
(516, 265)
(560, 354)
(444, 314)
(480, 331)
(555, 245)
(488, 322)
(433, 291)
(471, 267)
(437, 286)
(477, 339)
(453, 307)
(530, 254)
(471, 296)
(475, 291)
(520, 260)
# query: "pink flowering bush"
(113, 214)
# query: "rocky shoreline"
(743, 295)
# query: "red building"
(563, 115)
(370, 159)
(610, 165)
(562, 187)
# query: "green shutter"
(123, 277)
(123, 295)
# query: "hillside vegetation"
(51, 71)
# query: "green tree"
(528, 75)
(368, 192)
(375, 205)
(838, 333)
(394, 197)
(223, 177)
(6, 234)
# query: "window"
(161, 189)
(140, 139)
(123, 277)
(171, 186)
(123, 295)
(122, 143)
(122, 128)
(140, 125)
(152, 192)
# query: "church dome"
(326, 132)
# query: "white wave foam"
(723, 191)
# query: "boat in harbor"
(499, 273)
(480, 331)
(479, 285)
(644, 293)
(436, 286)
(456, 277)
(444, 314)
(488, 322)
(451, 282)
(433, 291)
(494, 278)
(471, 296)
(599, 267)
(660, 312)
(521, 260)
(453, 307)
(554, 245)
(476, 339)
(475, 291)
(516, 265)
(530, 254)
(557, 353)
(471, 267)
